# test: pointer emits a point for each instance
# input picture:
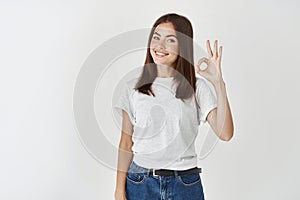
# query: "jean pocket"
(136, 178)
(189, 179)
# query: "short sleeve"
(125, 103)
(206, 99)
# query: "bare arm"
(220, 119)
(124, 156)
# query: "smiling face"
(164, 45)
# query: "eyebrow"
(166, 36)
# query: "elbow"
(227, 136)
(125, 146)
(226, 139)
(225, 133)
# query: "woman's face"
(164, 45)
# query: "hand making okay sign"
(213, 71)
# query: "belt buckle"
(156, 175)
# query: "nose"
(161, 44)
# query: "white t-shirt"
(164, 127)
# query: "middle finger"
(216, 49)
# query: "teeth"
(160, 54)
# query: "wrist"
(120, 187)
(219, 87)
(218, 84)
(120, 191)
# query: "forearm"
(125, 156)
(224, 117)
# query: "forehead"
(165, 29)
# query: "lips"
(159, 53)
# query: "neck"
(164, 71)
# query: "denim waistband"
(134, 167)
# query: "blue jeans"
(140, 185)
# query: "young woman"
(162, 110)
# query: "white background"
(44, 43)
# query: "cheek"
(173, 49)
(152, 53)
(174, 57)
(153, 43)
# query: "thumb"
(201, 60)
(200, 71)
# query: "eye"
(155, 38)
(171, 40)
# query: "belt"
(168, 172)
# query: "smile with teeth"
(160, 54)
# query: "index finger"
(209, 48)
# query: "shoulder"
(129, 86)
(204, 87)
(201, 82)
(131, 83)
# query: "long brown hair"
(184, 64)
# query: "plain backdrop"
(43, 45)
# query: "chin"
(160, 63)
